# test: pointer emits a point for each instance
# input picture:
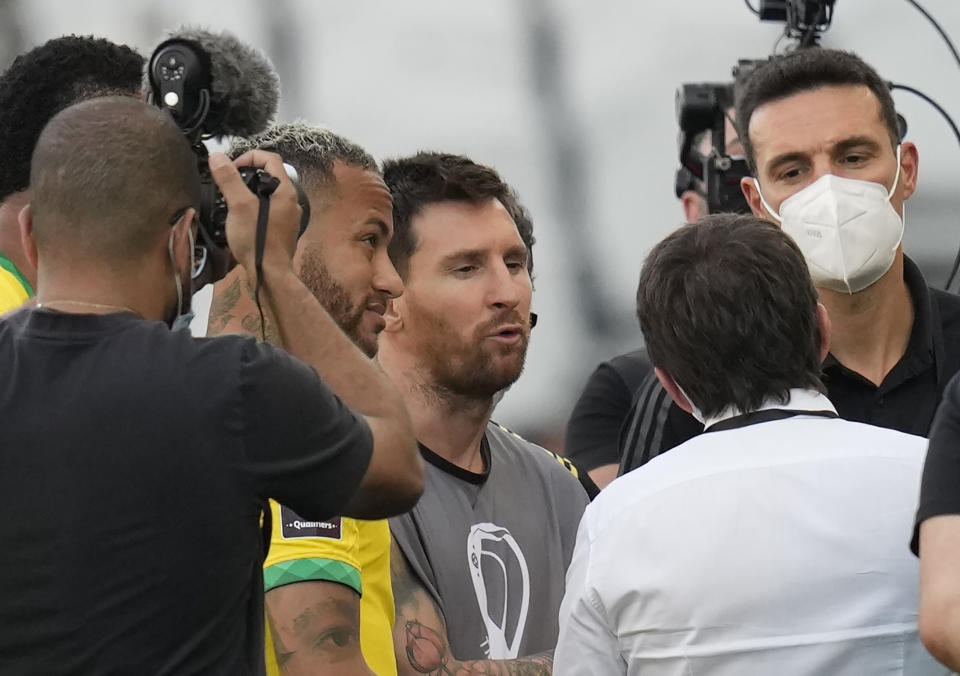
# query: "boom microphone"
(213, 84)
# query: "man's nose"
(386, 279)
(506, 288)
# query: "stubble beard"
(335, 299)
(475, 369)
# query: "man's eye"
(371, 240)
(854, 159)
(335, 638)
(515, 265)
(465, 269)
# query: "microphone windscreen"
(245, 88)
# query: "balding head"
(107, 176)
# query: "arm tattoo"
(222, 306)
(315, 627)
(428, 653)
(421, 640)
(280, 650)
(251, 324)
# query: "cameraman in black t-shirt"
(134, 460)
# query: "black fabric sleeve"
(303, 446)
(589, 485)
(940, 487)
(594, 425)
(653, 426)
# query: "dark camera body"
(703, 107)
(805, 19)
(180, 81)
(213, 207)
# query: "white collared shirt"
(201, 303)
(779, 548)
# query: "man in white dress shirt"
(774, 543)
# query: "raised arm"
(394, 479)
(420, 635)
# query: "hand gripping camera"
(213, 86)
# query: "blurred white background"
(573, 102)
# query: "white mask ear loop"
(773, 213)
(766, 206)
(896, 178)
(694, 409)
(173, 264)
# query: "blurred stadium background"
(573, 102)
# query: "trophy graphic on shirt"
(501, 581)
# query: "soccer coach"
(134, 459)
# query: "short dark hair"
(107, 176)
(805, 70)
(312, 151)
(728, 309)
(45, 80)
(429, 178)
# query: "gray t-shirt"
(493, 549)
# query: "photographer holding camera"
(138, 458)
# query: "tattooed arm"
(315, 627)
(233, 309)
(420, 635)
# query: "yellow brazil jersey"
(14, 288)
(349, 551)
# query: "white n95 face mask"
(846, 228)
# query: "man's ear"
(670, 385)
(394, 315)
(27, 240)
(694, 205)
(748, 185)
(909, 168)
(825, 327)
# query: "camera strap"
(260, 241)
(263, 215)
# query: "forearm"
(534, 665)
(309, 333)
(940, 633)
(425, 650)
(394, 479)
(939, 611)
(420, 635)
(314, 628)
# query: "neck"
(10, 245)
(74, 289)
(871, 329)
(450, 425)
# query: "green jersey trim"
(8, 265)
(307, 570)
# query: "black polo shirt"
(604, 403)
(906, 400)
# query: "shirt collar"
(921, 333)
(799, 400)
